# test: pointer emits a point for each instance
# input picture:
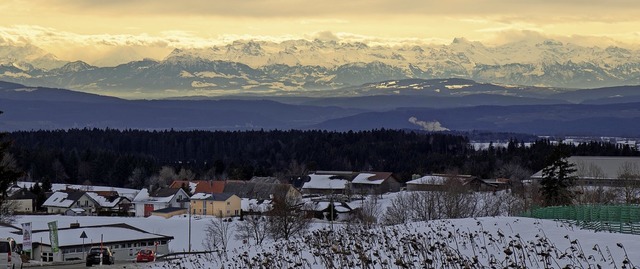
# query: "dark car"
(145, 255)
(94, 256)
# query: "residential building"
(146, 202)
(199, 186)
(217, 204)
(326, 184)
(259, 190)
(79, 201)
(23, 200)
(435, 182)
(375, 182)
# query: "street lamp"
(189, 226)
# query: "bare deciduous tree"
(399, 211)
(217, 233)
(288, 215)
(253, 227)
(369, 212)
(629, 175)
(458, 202)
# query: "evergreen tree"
(557, 177)
(8, 176)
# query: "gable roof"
(107, 202)
(200, 186)
(373, 178)
(21, 194)
(159, 196)
(64, 198)
(325, 182)
(164, 192)
(212, 197)
(254, 190)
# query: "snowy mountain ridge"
(294, 65)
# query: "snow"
(431, 180)
(125, 192)
(102, 201)
(363, 178)
(325, 182)
(256, 205)
(560, 235)
(484, 238)
(58, 199)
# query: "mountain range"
(460, 105)
(299, 66)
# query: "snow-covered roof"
(103, 201)
(325, 182)
(111, 233)
(61, 199)
(255, 205)
(160, 196)
(429, 180)
(77, 210)
(366, 178)
(125, 192)
(337, 206)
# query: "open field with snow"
(480, 242)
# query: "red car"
(146, 255)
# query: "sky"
(100, 31)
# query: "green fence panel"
(618, 218)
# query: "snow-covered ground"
(458, 239)
(487, 239)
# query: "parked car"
(94, 256)
(146, 255)
(9, 254)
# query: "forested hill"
(124, 157)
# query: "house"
(217, 204)
(435, 182)
(146, 202)
(23, 201)
(61, 201)
(86, 203)
(603, 170)
(259, 190)
(375, 182)
(123, 239)
(111, 204)
(326, 184)
(330, 210)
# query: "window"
(228, 211)
(228, 203)
(86, 202)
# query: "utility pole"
(189, 226)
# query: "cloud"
(326, 36)
(432, 126)
(304, 8)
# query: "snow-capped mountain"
(294, 65)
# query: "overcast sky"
(83, 29)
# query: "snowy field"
(480, 242)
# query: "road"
(118, 265)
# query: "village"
(330, 196)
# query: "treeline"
(125, 157)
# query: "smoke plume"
(433, 126)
